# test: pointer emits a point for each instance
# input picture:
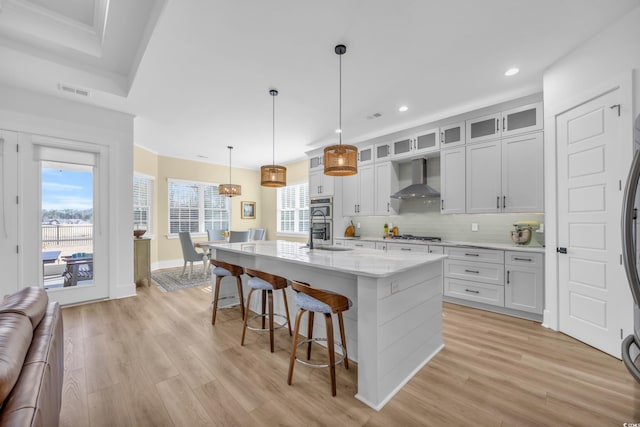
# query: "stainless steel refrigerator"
(631, 202)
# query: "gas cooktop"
(412, 237)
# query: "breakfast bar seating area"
(394, 326)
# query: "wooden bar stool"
(326, 302)
(267, 283)
(224, 269)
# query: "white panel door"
(9, 212)
(591, 279)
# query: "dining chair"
(190, 254)
(257, 233)
(214, 234)
(238, 236)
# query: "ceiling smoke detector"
(73, 90)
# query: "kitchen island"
(395, 325)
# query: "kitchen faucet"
(324, 217)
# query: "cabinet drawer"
(407, 247)
(476, 271)
(475, 254)
(525, 259)
(360, 244)
(474, 291)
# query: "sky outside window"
(66, 189)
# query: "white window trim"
(149, 235)
(171, 236)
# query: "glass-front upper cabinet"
(365, 155)
(382, 152)
(484, 128)
(427, 141)
(522, 119)
(452, 135)
(515, 121)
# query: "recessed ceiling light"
(512, 71)
(338, 130)
(403, 108)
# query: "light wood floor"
(156, 360)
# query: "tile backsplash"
(423, 217)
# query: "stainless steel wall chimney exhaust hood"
(418, 188)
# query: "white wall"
(28, 112)
(611, 56)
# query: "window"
(196, 207)
(293, 209)
(142, 203)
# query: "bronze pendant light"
(273, 175)
(229, 190)
(340, 160)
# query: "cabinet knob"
(508, 274)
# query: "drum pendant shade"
(340, 160)
(273, 175)
(230, 190)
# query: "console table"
(142, 261)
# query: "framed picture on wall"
(248, 210)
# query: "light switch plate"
(474, 226)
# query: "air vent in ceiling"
(73, 90)
(374, 116)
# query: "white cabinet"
(523, 119)
(483, 177)
(505, 175)
(386, 183)
(316, 161)
(524, 282)
(523, 173)
(358, 192)
(527, 118)
(382, 152)
(484, 128)
(452, 135)
(512, 280)
(452, 180)
(433, 249)
(422, 143)
(365, 155)
(319, 183)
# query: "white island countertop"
(361, 262)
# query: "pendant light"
(273, 175)
(229, 190)
(340, 160)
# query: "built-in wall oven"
(321, 220)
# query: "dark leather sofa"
(31, 359)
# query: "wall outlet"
(358, 225)
(395, 287)
(541, 229)
(474, 226)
